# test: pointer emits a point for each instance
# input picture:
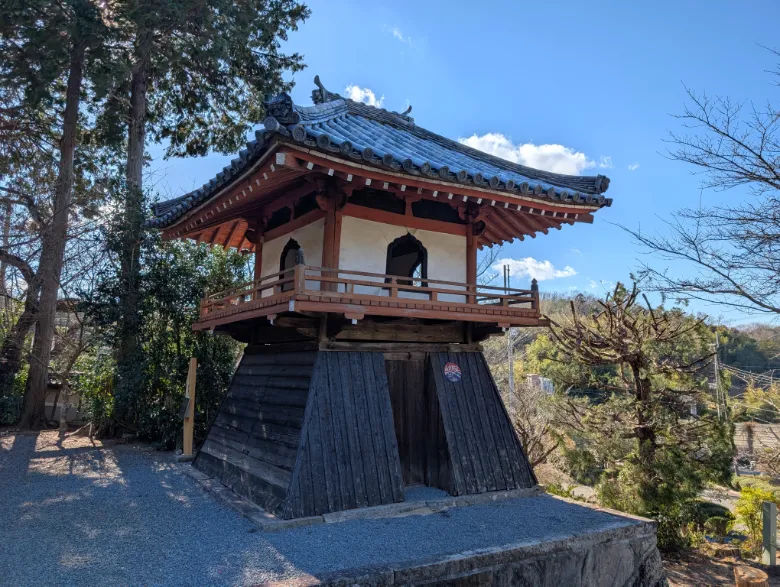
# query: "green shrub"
(708, 509)
(748, 508)
(560, 490)
(718, 526)
(11, 404)
(581, 465)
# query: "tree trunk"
(53, 250)
(645, 436)
(129, 352)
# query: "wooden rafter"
(537, 222)
(519, 224)
(502, 227)
(431, 184)
(231, 232)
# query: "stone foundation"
(625, 555)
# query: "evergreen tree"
(197, 73)
(46, 47)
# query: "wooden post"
(471, 260)
(189, 414)
(769, 519)
(258, 258)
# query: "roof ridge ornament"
(281, 108)
(322, 95)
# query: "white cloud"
(633, 167)
(530, 267)
(398, 34)
(605, 162)
(576, 251)
(555, 158)
(364, 95)
(592, 284)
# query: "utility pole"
(716, 362)
(510, 350)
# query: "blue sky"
(588, 86)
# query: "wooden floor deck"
(357, 294)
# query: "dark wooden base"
(306, 431)
(337, 330)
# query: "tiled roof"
(389, 140)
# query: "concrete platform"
(543, 540)
(536, 539)
(80, 513)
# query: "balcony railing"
(374, 290)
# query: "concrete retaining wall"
(625, 555)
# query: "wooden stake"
(769, 523)
(189, 416)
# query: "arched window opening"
(407, 257)
(292, 255)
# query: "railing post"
(471, 290)
(299, 278)
(535, 294)
(393, 288)
(204, 303)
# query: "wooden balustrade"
(332, 284)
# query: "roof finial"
(321, 94)
(407, 111)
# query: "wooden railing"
(345, 283)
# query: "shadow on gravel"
(124, 515)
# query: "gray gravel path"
(122, 515)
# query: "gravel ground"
(74, 514)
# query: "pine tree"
(197, 73)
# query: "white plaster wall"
(364, 248)
(310, 239)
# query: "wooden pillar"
(189, 413)
(331, 203)
(254, 234)
(258, 258)
(471, 260)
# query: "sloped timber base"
(307, 432)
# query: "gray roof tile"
(390, 140)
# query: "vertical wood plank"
(492, 440)
(330, 464)
(352, 424)
(458, 391)
(521, 469)
(376, 432)
(314, 446)
(364, 430)
(339, 425)
(386, 413)
(503, 440)
(479, 424)
(460, 465)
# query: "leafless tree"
(734, 250)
